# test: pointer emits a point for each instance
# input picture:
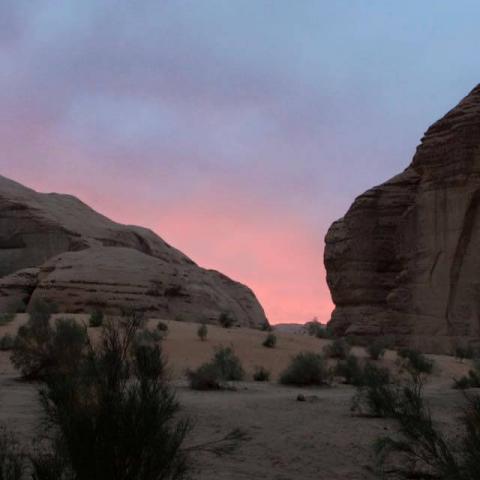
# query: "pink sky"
(238, 131)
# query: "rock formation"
(57, 248)
(405, 259)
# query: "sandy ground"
(318, 439)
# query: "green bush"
(376, 395)
(464, 352)
(339, 349)
(202, 332)
(472, 380)
(270, 341)
(351, 370)
(316, 329)
(145, 336)
(10, 311)
(226, 320)
(223, 368)
(40, 349)
(228, 364)
(415, 361)
(115, 417)
(261, 374)
(162, 327)
(376, 349)
(306, 368)
(266, 327)
(6, 343)
(96, 319)
(206, 377)
(425, 452)
(161, 332)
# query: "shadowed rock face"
(55, 247)
(405, 259)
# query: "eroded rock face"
(57, 248)
(405, 259)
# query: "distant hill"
(55, 247)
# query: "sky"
(238, 130)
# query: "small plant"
(161, 331)
(6, 343)
(377, 348)
(261, 374)
(96, 319)
(472, 380)
(425, 452)
(11, 458)
(206, 377)
(316, 329)
(8, 315)
(270, 341)
(226, 320)
(339, 349)
(351, 370)
(377, 395)
(228, 364)
(115, 417)
(266, 327)
(464, 352)
(306, 368)
(40, 349)
(162, 327)
(148, 337)
(202, 332)
(223, 368)
(415, 361)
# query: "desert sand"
(317, 439)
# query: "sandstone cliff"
(405, 259)
(55, 247)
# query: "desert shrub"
(145, 336)
(376, 395)
(266, 327)
(414, 360)
(7, 342)
(316, 329)
(306, 368)
(96, 319)
(229, 364)
(270, 341)
(206, 377)
(115, 417)
(355, 340)
(215, 375)
(261, 374)
(226, 320)
(162, 327)
(11, 457)
(202, 332)
(472, 379)
(39, 349)
(10, 311)
(422, 448)
(464, 352)
(339, 349)
(350, 369)
(376, 349)
(6, 317)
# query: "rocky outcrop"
(405, 259)
(57, 248)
